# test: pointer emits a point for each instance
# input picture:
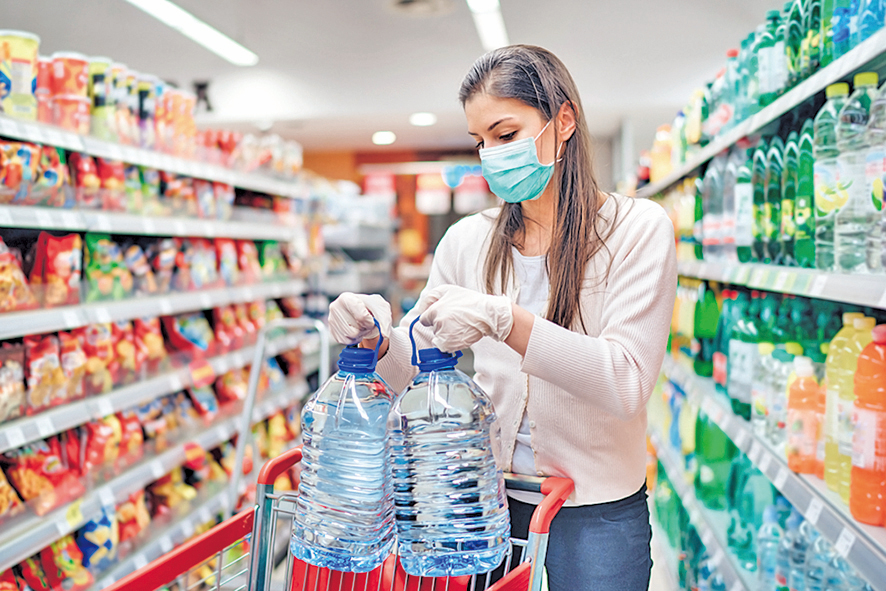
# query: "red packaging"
(150, 350)
(242, 313)
(132, 438)
(63, 564)
(228, 267)
(190, 333)
(86, 180)
(98, 345)
(43, 373)
(98, 438)
(7, 581)
(58, 267)
(10, 503)
(258, 314)
(133, 516)
(228, 332)
(12, 385)
(33, 576)
(15, 293)
(73, 361)
(247, 257)
(112, 176)
(41, 475)
(232, 386)
(54, 179)
(124, 367)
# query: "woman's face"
(494, 121)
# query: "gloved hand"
(351, 317)
(461, 317)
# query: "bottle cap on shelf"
(864, 323)
(849, 317)
(765, 349)
(879, 334)
(839, 89)
(794, 348)
(866, 79)
(732, 53)
(773, 14)
(770, 514)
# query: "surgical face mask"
(513, 170)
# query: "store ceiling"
(331, 72)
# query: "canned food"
(70, 74)
(18, 73)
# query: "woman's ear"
(566, 121)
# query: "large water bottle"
(785, 548)
(344, 519)
(858, 217)
(712, 201)
(829, 192)
(818, 556)
(841, 576)
(803, 540)
(768, 539)
(875, 174)
(449, 496)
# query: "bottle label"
(869, 426)
(802, 435)
(830, 194)
(787, 219)
(844, 427)
(779, 67)
(742, 359)
(765, 69)
(721, 362)
(759, 396)
(874, 171)
(757, 228)
(769, 227)
(803, 217)
(744, 214)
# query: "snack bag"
(260, 438)
(204, 401)
(100, 442)
(273, 374)
(10, 503)
(43, 373)
(152, 203)
(15, 293)
(18, 171)
(144, 282)
(205, 197)
(132, 188)
(278, 435)
(7, 581)
(257, 314)
(12, 384)
(112, 176)
(154, 423)
(196, 468)
(190, 333)
(133, 516)
(53, 179)
(184, 259)
(98, 541)
(293, 306)
(178, 194)
(270, 257)
(86, 180)
(123, 368)
(242, 313)
(57, 269)
(226, 253)
(41, 476)
(33, 577)
(180, 412)
(132, 438)
(247, 256)
(232, 386)
(228, 333)
(162, 256)
(224, 200)
(74, 363)
(98, 345)
(203, 263)
(63, 564)
(107, 277)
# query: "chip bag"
(123, 367)
(190, 333)
(57, 269)
(53, 187)
(144, 281)
(43, 373)
(7, 581)
(63, 564)
(86, 180)
(162, 255)
(12, 382)
(247, 256)
(228, 268)
(74, 363)
(98, 541)
(224, 200)
(10, 503)
(15, 292)
(132, 438)
(150, 350)
(205, 197)
(232, 386)
(98, 345)
(33, 577)
(270, 257)
(204, 401)
(132, 187)
(112, 176)
(41, 476)
(228, 332)
(133, 516)
(241, 311)
(151, 200)
(107, 277)
(18, 171)
(257, 314)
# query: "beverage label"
(869, 424)
(765, 68)
(779, 67)
(744, 214)
(803, 219)
(721, 362)
(830, 193)
(757, 227)
(769, 227)
(802, 433)
(874, 171)
(787, 219)
(844, 427)
(759, 399)
(742, 359)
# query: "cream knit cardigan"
(586, 392)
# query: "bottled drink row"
(810, 197)
(806, 373)
(780, 53)
(765, 534)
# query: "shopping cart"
(250, 551)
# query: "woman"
(565, 295)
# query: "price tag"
(44, 219)
(53, 137)
(14, 437)
(818, 286)
(72, 318)
(783, 281)
(175, 383)
(717, 558)
(276, 290)
(780, 478)
(179, 228)
(139, 561)
(9, 128)
(69, 220)
(187, 528)
(813, 512)
(765, 462)
(165, 306)
(73, 514)
(107, 498)
(105, 408)
(102, 316)
(45, 427)
(5, 217)
(166, 544)
(757, 278)
(755, 452)
(157, 469)
(205, 301)
(148, 226)
(102, 223)
(844, 542)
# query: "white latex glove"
(460, 317)
(351, 317)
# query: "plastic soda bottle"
(712, 201)
(743, 357)
(811, 49)
(803, 541)
(782, 369)
(744, 205)
(758, 180)
(875, 173)
(770, 60)
(794, 38)
(818, 556)
(840, 374)
(860, 339)
(344, 517)
(714, 452)
(734, 162)
(762, 388)
(869, 437)
(871, 14)
(769, 537)
(803, 418)
(841, 25)
(858, 218)
(789, 182)
(706, 318)
(827, 32)
(449, 495)
(772, 206)
(830, 194)
(785, 549)
(804, 209)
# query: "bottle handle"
(377, 344)
(412, 340)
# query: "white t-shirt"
(532, 277)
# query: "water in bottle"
(785, 549)
(743, 198)
(811, 50)
(758, 180)
(875, 174)
(868, 483)
(818, 556)
(782, 368)
(794, 38)
(743, 354)
(769, 537)
(803, 540)
(804, 210)
(770, 59)
(841, 576)
(830, 193)
(841, 23)
(858, 218)
(789, 182)
(840, 372)
(712, 201)
(452, 512)
(803, 419)
(871, 14)
(761, 387)
(772, 206)
(344, 518)
(827, 32)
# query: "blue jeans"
(595, 547)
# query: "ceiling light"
(383, 138)
(489, 23)
(422, 119)
(198, 31)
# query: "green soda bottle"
(811, 50)
(804, 217)
(699, 215)
(743, 353)
(826, 42)
(789, 181)
(772, 205)
(758, 180)
(714, 453)
(744, 205)
(769, 59)
(794, 40)
(707, 315)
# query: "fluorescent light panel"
(489, 23)
(422, 119)
(198, 31)
(384, 138)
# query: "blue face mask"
(513, 171)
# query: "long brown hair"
(539, 79)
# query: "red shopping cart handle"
(556, 491)
(277, 466)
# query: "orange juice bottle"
(804, 420)
(868, 485)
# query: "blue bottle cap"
(354, 359)
(432, 359)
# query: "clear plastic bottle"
(770, 60)
(803, 541)
(857, 219)
(803, 419)
(782, 368)
(875, 174)
(789, 183)
(841, 26)
(804, 210)
(344, 518)
(841, 576)
(768, 539)
(761, 387)
(871, 14)
(829, 193)
(818, 556)
(452, 512)
(712, 201)
(734, 162)
(785, 549)
(772, 206)
(794, 38)
(758, 181)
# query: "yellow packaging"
(18, 74)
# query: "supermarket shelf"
(666, 563)
(361, 236)
(17, 324)
(42, 133)
(840, 69)
(863, 290)
(862, 545)
(357, 280)
(22, 538)
(48, 218)
(711, 525)
(19, 432)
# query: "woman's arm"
(616, 370)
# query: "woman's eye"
(479, 145)
(507, 137)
